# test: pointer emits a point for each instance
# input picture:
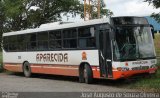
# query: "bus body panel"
(52, 62)
(71, 67)
(67, 61)
(130, 68)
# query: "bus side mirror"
(152, 31)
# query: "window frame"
(62, 39)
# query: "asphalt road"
(50, 83)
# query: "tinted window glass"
(72, 33)
(31, 42)
(86, 37)
(84, 32)
(21, 44)
(72, 43)
(5, 46)
(55, 35)
(55, 44)
(12, 47)
(42, 36)
(31, 37)
(5, 43)
(70, 38)
(12, 39)
(55, 38)
(5, 40)
(21, 38)
(42, 45)
(12, 43)
(31, 46)
(87, 42)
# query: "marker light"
(123, 69)
(153, 66)
(119, 68)
(126, 64)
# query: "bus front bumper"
(127, 74)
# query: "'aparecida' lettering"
(52, 57)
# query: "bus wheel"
(88, 74)
(26, 69)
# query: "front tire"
(88, 74)
(27, 69)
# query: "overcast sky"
(126, 8)
(130, 7)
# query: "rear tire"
(27, 69)
(88, 74)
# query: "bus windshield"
(132, 43)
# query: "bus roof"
(60, 26)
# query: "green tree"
(156, 4)
(103, 10)
(51, 10)
(2, 18)
(22, 14)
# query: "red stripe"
(13, 67)
(68, 70)
(126, 74)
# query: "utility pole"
(87, 10)
(99, 8)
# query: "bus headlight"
(153, 66)
(123, 69)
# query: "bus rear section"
(69, 49)
(93, 49)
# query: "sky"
(127, 8)
(130, 7)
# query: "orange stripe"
(126, 74)
(68, 70)
(13, 67)
(55, 69)
(96, 72)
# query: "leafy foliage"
(103, 11)
(156, 16)
(156, 4)
(22, 14)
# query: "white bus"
(114, 48)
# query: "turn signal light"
(123, 69)
(119, 68)
(153, 66)
(126, 64)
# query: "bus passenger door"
(105, 54)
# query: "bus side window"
(31, 42)
(55, 40)
(70, 38)
(21, 42)
(12, 43)
(42, 39)
(5, 43)
(86, 37)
